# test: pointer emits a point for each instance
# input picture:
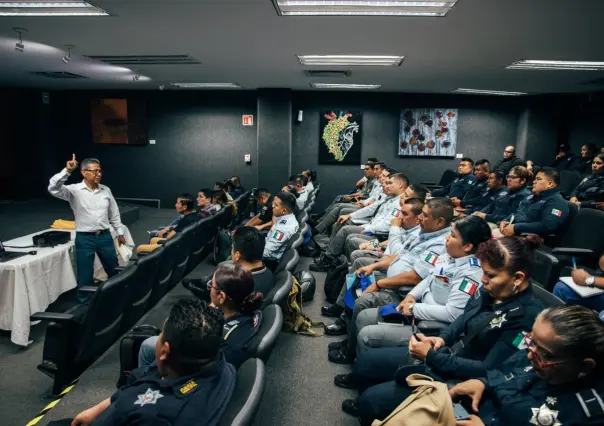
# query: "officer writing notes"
(95, 211)
(284, 227)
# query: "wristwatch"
(589, 281)
(411, 305)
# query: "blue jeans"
(570, 297)
(86, 246)
(153, 234)
(146, 354)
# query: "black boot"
(332, 311)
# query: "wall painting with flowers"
(340, 137)
(428, 132)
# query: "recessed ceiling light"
(345, 86)
(487, 92)
(49, 8)
(350, 60)
(557, 65)
(206, 85)
(363, 7)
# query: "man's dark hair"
(441, 207)
(551, 173)
(235, 180)
(419, 190)
(467, 159)
(249, 242)
(304, 179)
(416, 205)
(483, 161)
(565, 148)
(499, 175)
(262, 192)
(401, 177)
(390, 170)
(296, 180)
(382, 164)
(288, 200)
(186, 200)
(220, 185)
(372, 160)
(369, 165)
(194, 332)
(292, 190)
(207, 192)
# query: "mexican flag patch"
(520, 341)
(556, 212)
(278, 235)
(468, 286)
(395, 213)
(431, 258)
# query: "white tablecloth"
(30, 283)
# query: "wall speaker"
(300, 116)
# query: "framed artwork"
(340, 137)
(119, 121)
(428, 132)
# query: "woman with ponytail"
(489, 331)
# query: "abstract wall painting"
(428, 132)
(340, 137)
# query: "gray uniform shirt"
(276, 240)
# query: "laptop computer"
(5, 256)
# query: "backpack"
(294, 319)
(222, 246)
(336, 278)
(129, 347)
(308, 284)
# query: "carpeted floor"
(299, 388)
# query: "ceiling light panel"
(487, 92)
(363, 7)
(49, 8)
(206, 85)
(350, 60)
(557, 65)
(345, 86)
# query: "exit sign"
(247, 120)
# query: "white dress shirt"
(94, 210)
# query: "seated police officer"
(541, 213)
(184, 207)
(284, 227)
(496, 183)
(590, 191)
(476, 197)
(264, 219)
(490, 330)
(506, 201)
(461, 184)
(583, 278)
(298, 182)
(408, 269)
(558, 381)
(236, 189)
(190, 383)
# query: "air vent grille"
(58, 74)
(327, 73)
(147, 60)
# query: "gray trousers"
(336, 246)
(353, 242)
(330, 217)
(367, 301)
(374, 335)
(359, 254)
(358, 263)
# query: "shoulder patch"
(395, 213)
(557, 212)
(149, 397)
(469, 286)
(283, 222)
(591, 403)
(432, 258)
(188, 387)
(278, 235)
(474, 262)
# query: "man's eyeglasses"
(528, 342)
(95, 171)
(512, 177)
(509, 152)
(210, 286)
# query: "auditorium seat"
(288, 262)
(568, 181)
(249, 388)
(555, 239)
(431, 328)
(548, 299)
(298, 239)
(165, 271)
(546, 269)
(263, 342)
(447, 177)
(74, 339)
(203, 236)
(182, 255)
(283, 286)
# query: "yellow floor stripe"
(46, 409)
(52, 404)
(34, 421)
(67, 389)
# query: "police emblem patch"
(543, 416)
(498, 321)
(149, 397)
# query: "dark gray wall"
(486, 126)
(199, 140)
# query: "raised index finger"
(73, 157)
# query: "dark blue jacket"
(237, 192)
(199, 399)
(457, 188)
(476, 197)
(504, 204)
(494, 344)
(237, 334)
(540, 214)
(515, 396)
(590, 190)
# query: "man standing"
(509, 160)
(95, 210)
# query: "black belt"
(101, 232)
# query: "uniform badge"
(431, 258)
(149, 397)
(556, 212)
(527, 369)
(551, 400)
(278, 235)
(498, 322)
(469, 286)
(188, 387)
(474, 262)
(543, 416)
(283, 222)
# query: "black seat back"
(204, 234)
(284, 282)
(101, 325)
(298, 238)
(140, 290)
(166, 270)
(249, 388)
(182, 255)
(546, 269)
(568, 181)
(586, 230)
(266, 336)
(548, 299)
(288, 262)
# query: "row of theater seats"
(75, 338)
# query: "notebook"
(581, 290)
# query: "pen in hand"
(574, 263)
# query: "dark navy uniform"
(516, 396)
(457, 188)
(504, 204)
(541, 213)
(489, 195)
(590, 190)
(237, 334)
(199, 399)
(507, 164)
(476, 197)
